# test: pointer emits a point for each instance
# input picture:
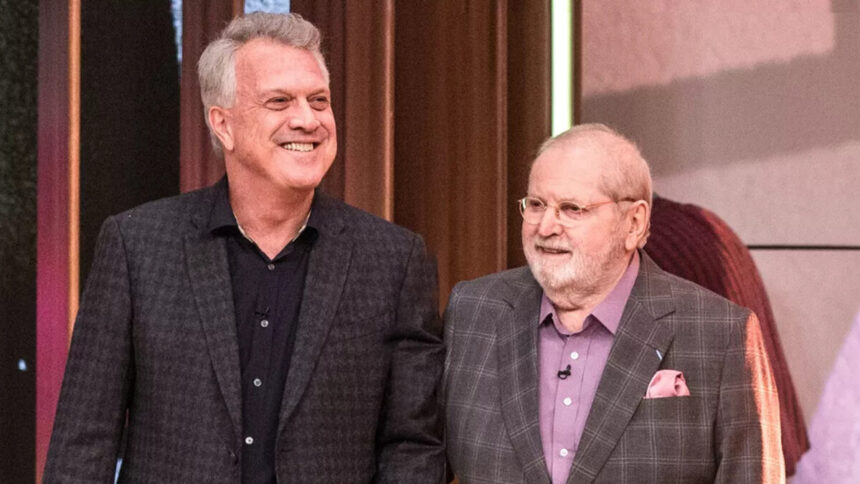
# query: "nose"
(549, 224)
(304, 117)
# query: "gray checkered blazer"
(155, 340)
(726, 431)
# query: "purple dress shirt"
(570, 366)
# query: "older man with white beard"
(592, 364)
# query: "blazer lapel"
(206, 256)
(518, 375)
(632, 362)
(327, 270)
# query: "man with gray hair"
(592, 364)
(255, 331)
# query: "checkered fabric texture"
(694, 243)
(726, 431)
(155, 344)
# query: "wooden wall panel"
(329, 17)
(201, 22)
(368, 127)
(529, 109)
(450, 133)
(358, 39)
(440, 106)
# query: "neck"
(574, 303)
(271, 218)
(572, 311)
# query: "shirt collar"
(610, 310)
(222, 219)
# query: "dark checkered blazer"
(726, 431)
(155, 339)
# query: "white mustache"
(553, 246)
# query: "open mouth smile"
(296, 146)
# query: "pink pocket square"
(667, 383)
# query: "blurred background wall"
(752, 110)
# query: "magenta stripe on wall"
(52, 246)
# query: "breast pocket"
(674, 428)
(352, 328)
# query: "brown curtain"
(439, 106)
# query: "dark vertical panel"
(450, 133)
(52, 244)
(201, 22)
(470, 89)
(358, 45)
(369, 107)
(19, 30)
(330, 17)
(529, 109)
(129, 111)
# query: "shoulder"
(363, 228)
(703, 322)
(174, 215)
(495, 284)
(497, 291)
(691, 298)
(658, 288)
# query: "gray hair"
(630, 177)
(216, 68)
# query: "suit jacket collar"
(635, 357)
(326, 277)
(206, 258)
(209, 276)
(518, 360)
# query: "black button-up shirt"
(267, 296)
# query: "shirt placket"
(567, 403)
(256, 378)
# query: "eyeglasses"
(568, 213)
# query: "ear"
(639, 224)
(219, 120)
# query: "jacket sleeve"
(409, 438)
(92, 405)
(748, 440)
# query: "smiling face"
(589, 256)
(280, 132)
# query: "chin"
(550, 274)
(576, 273)
(555, 279)
(296, 180)
(304, 176)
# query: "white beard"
(581, 275)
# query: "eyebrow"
(277, 91)
(563, 200)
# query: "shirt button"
(271, 267)
(258, 382)
(563, 453)
(574, 356)
(264, 323)
(567, 401)
(249, 440)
